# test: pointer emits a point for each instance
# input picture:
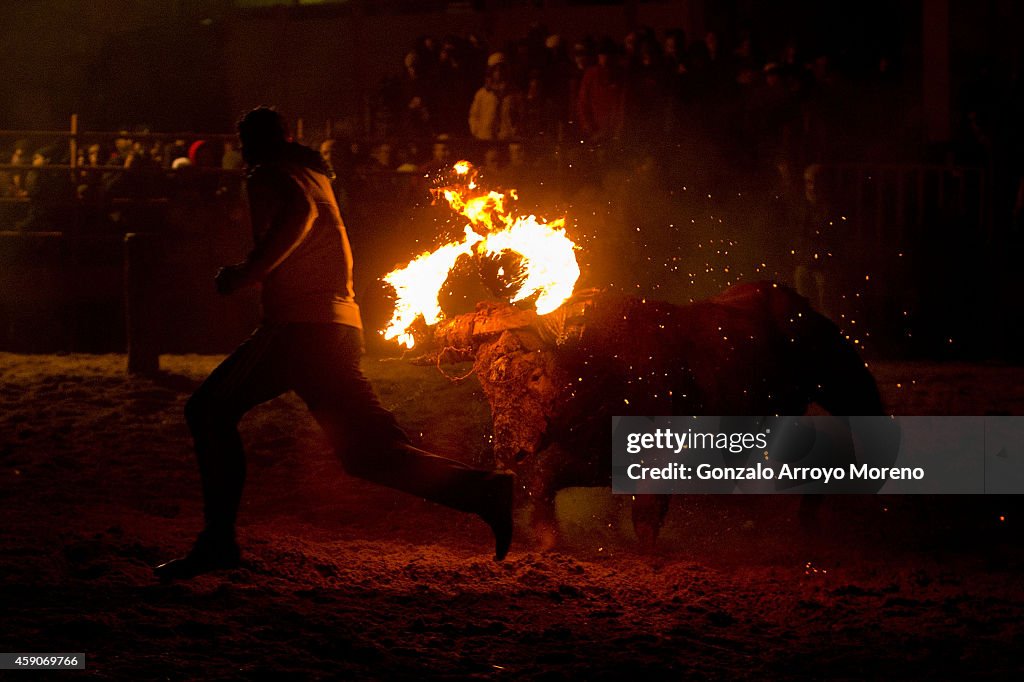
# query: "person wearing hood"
(310, 341)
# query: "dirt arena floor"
(342, 579)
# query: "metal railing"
(894, 203)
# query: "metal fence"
(66, 289)
(897, 203)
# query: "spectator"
(408, 97)
(232, 158)
(676, 81)
(339, 159)
(49, 193)
(602, 96)
(122, 149)
(582, 59)
(549, 85)
(440, 159)
(426, 53)
(497, 109)
(771, 113)
(12, 186)
(823, 109)
(380, 158)
(534, 113)
(454, 91)
(89, 185)
(712, 80)
(791, 69)
(176, 150)
(815, 241)
(675, 51)
(744, 58)
(12, 183)
(137, 193)
(645, 106)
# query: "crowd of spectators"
(113, 186)
(630, 133)
(763, 109)
(743, 113)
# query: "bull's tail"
(836, 375)
(845, 386)
(832, 373)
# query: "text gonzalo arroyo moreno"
(668, 440)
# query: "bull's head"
(515, 360)
(523, 385)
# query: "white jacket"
(493, 116)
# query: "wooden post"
(73, 176)
(140, 304)
(73, 142)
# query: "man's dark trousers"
(320, 362)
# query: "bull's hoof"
(649, 513)
(546, 534)
(648, 537)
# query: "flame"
(418, 285)
(549, 264)
(547, 256)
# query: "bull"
(554, 382)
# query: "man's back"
(296, 217)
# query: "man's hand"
(230, 279)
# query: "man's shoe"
(497, 512)
(208, 554)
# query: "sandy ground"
(346, 580)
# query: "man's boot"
(496, 510)
(211, 552)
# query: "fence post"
(140, 304)
(73, 142)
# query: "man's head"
(263, 134)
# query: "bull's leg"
(543, 520)
(649, 513)
(539, 489)
(553, 469)
(809, 513)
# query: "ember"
(547, 269)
